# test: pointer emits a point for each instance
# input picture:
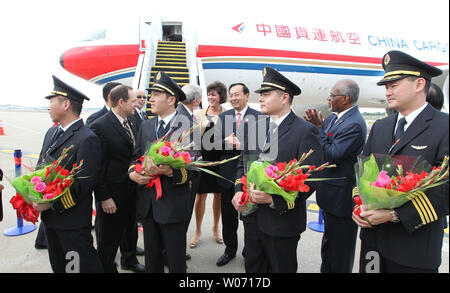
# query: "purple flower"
(40, 187)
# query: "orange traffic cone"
(2, 132)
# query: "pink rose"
(383, 180)
(40, 187)
(271, 171)
(165, 151)
(35, 180)
(49, 196)
(177, 155)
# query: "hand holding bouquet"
(42, 186)
(284, 179)
(390, 185)
(174, 154)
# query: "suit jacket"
(341, 144)
(175, 205)
(74, 208)
(117, 150)
(416, 241)
(226, 125)
(94, 116)
(295, 137)
(136, 119)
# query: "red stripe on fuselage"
(91, 61)
(205, 51)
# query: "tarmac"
(25, 130)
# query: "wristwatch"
(394, 217)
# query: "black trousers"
(72, 251)
(267, 254)
(338, 244)
(371, 261)
(230, 221)
(41, 239)
(170, 238)
(117, 229)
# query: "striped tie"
(128, 131)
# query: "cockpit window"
(96, 35)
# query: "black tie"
(400, 129)
(161, 131)
(143, 115)
(333, 120)
(57, 134)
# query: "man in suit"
(106, 91)
(271, 239)
(186, 109)
(408, 238)
(228, 133)
(139, 114)
(164, 220)
(342, 136)
(116, 192)
(68, 220)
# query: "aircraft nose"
(61, 60)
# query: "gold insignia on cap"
(387, 59)
(158, 76)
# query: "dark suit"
(416, 241)
(341, 144)
(272, 243)
(117, 149)
(68, 222)
(137, 119)
(195, 176)
(94, 116)
(226, 125)
(164, 220)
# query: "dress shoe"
(224, 259)
(139, 251)
(137, 268)
(40, 246)
(188, 256)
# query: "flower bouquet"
(388, 182)
(176, 155)
(284, 179)
(44, 185)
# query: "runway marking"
(8, 151)
(27, 129)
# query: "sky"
(35, 33)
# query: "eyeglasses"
(141, 97)
(334, 96)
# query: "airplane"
(313, 55)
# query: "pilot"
(408, 238)
(67, 220)
(273, 231)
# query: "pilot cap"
(273, 80)
(398, 65)
(163, 83)
(61, 88)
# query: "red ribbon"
(157, 182)
(24, 209)
(245, 196)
